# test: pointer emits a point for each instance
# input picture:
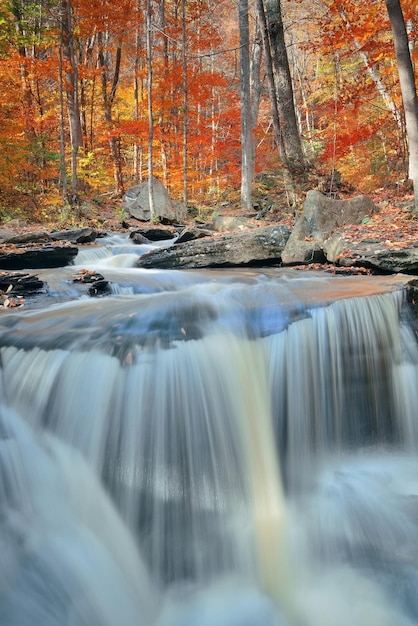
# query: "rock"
(100, 288)
(5, 234)
(256, 247)
(98, 285)
(320, 217)
(373, 254)
(136, 203)
(153, 234)
(18, 283)
(75, 235)
(139, 239)
(40, 256)
(16, 223)
(226, 224)
(190, 233)
(38, 236)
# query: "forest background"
(97, 94)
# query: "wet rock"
(139, 239)
(18, 283)
(36, 257)
(152, 234)
(256, 247)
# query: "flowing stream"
(219, 448)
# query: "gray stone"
(136, 203)
(76, 235)
(5, 234)
(320, 217)
(190, 233)
(229, 223)
(256, 247)
(36, 236)
(371, 254)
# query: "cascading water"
(210, 448)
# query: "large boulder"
(136, 203)
(256, 247)
(320, 217)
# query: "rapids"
(219, 448)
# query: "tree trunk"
(108, 98)
(408, 89)
(63, 171)
(283, 82)
(270, 79)
(245, 96)
(27, 95)
(71, 92)
(150, 118)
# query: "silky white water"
(212, 449)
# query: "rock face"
(136, 203)
(320, 217)
(256, 247)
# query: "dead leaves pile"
(87, 276)
(391, 226)
(7, 300)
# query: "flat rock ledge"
(256, 247)
(38, 256)
(382, 257)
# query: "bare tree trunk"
(270, 79)
(255, 74)
(63, 171)
(150, 118)
(245, 96)
(108, 98)
(71, 92)
(27, 95)
(408, 89)
(137, 146)
(283, 82)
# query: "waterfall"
(215, 453)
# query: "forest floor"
(392, 223)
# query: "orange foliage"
(344, 75)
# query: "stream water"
(219, 448)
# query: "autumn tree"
(408, 88)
